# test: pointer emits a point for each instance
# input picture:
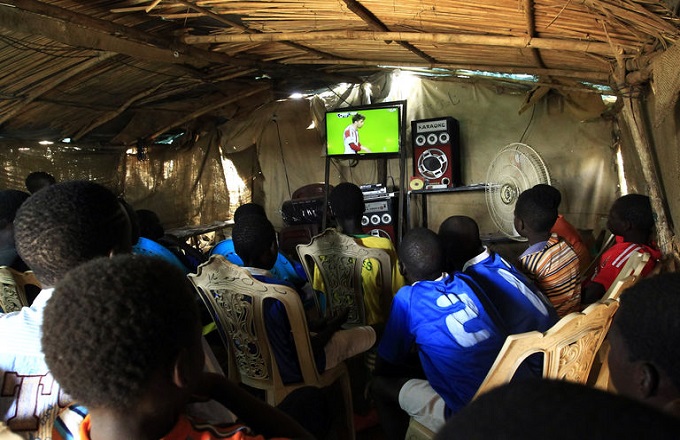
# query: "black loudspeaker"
(380, 218)
(436, 152)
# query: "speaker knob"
(420, 140)
(432, 139)
(375, 219)
(365, 221)
(386, 219)
(444, 138)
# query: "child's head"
(255, 241)
(347, 201)
(38, 180)
(67, 224)
(631, 212)
(549, 193)
(534, 212)
(460, 237)
(644, 360)
(149, 224)
(117, 328)
(248, 209)
(421, 255)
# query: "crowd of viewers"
(112, 346)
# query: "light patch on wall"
(168, 168)
(239, 193)
(312, 126)
(621, 171)
(402, 84)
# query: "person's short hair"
(358, 117)
(422, 254)
(648, 324)
(38, 180)
(538, 409)
(248, 209)
(64, 225)
(149, 224)
(535, 210)
(112, 323)
(253, 236)
(460, 237)
(10, 201)
(636, 209)
(347, 201)
(549, 193)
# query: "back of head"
(112, 323)
(253, 237)
(422, 255)
(67, 224)
(460, 237)
(549, 193)
(248, 209)
(347, 201)
(536, 210)
(38, 180)
(149, 224)
(636, 209)
(358, 117)
(648, 324)
(10, 201)
(539, 409)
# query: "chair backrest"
(236, 300)
(13, 288)
(339, 260)
(629, 275)
(569, 347)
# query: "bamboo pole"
(412, 37)
(632, 114)
(46, 86)
(208, 109)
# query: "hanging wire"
(533, 111)
(283, 158)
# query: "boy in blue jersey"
(520, 304)
(454, 329)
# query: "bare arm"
(261, 417)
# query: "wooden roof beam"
(374, 23)
(531, 31)
(413, 37)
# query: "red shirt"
(614, 258)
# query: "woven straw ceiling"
(89, 69)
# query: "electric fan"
(516, 167)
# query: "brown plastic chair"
(338, 259)
(13, 288)
(236, 299)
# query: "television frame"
(376, 109)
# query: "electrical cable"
(533, 111)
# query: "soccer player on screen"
(351, 135)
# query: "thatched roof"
(114, 72)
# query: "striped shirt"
(555, 270)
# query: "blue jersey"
(283, 269)
(457, 339)
(520, 305)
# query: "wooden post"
(632, 114)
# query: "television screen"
(368, 130)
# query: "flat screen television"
(370, 130)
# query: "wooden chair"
(629, 275)
(339, 260)
(236, 299)
(13, 288)
(569, 349)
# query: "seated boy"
(347, 203)
(631, 221)
(644, 359)
(520, 305)
(123, 338)
(549, 260)
(255, 242)
(284, 269)
(565, 229)
(450, 322)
